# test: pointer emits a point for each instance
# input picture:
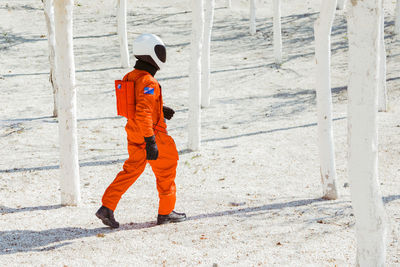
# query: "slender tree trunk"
(252, 17)
(341, 4)
(122, 33)
(382, 102)
(397, 19)
(65, 70)
(229, 3)
(277, 32)
(195, 74)
(322, 29)
(364, 19)
(205, 64)
(51, 39)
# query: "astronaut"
(148, 139)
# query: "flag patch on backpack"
(148, 91)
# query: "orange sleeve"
(145, 101)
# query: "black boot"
(107, 217)
(173, 217)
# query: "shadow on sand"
(7, 210)
(16, 241)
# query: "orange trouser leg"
(133, 168)
(164, 169)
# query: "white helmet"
(151, 49)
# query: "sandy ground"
(252, 193)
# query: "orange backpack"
(125, 94)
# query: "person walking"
(148, 139)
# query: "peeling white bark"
(277, 32)
(194, 123)
(65, 71)
(122, 33)
(364, 20)
(322, 29)
(252, 17)
(382, 89)
(205, 57)
(51, 39)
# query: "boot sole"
(172, 221)
(106, 221)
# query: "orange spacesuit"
(139, 98)
(148, 121)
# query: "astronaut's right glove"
(168, 112)
(151, 148)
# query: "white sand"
(252, 193)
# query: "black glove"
(168, 112)
(151, 148)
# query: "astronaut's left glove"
(151, 148)
(168, 112)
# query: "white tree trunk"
(364, 35)
(322, 29)
(122, 33)
(252, 17)
(205, 57)
(195, 74)
(341, 4)
(229, 3)
(277, 32)
(51, 39)
(382, 102)
(65, 71)
(397, 19)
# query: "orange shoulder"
(147, 79)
